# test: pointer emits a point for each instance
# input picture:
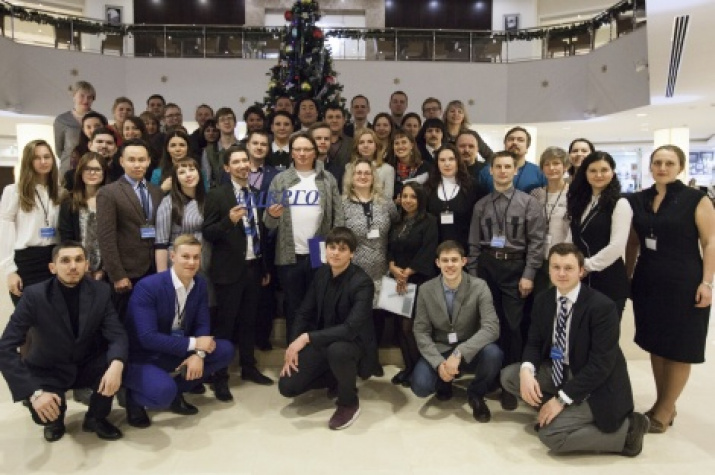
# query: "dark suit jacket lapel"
(169, 299)
(577, 314)
(128, 191)
(86, 298)
(58, 303)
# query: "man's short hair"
(257, 132)
(230, 151)
(566, 248)
(316, 126)
(103, 131)
(431, 99)
(134, 143)
(519, 129)
(360, 96)
(254, 110)
(468, 132)
(171, 105)
(222, 111)
(401, 93)
(449, 246)
(67, 245)
(156, 96)
(281, 114)
(205, 106)
(502, 153)
(434, 123)
(186, 240)
(342, 235)
(335, 107)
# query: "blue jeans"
(485, 366)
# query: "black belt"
(504, 255)
(253, 263)
(301, 257)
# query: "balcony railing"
(44, 28)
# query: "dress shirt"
(449, 295)
(135, 187)
(182, 294)
(277, 148)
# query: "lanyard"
(367, 210)
(444, 192)
(502, 222)
(179, 310)
(44, 209)
(546, 201)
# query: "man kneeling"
(77, 342)
(336, 339)
(169, 332)
(455, 329)
(573, 369)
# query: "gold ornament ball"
(305, 86)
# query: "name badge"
(651, 243)
(556, 353)
(452, 337)
(47, 232)
(147, 232)
(498, 242)
(177, 332)
(447, 217)
(373, 234)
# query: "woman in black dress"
(451, 196)
(600, 223)
(411, 256)
(672, 283)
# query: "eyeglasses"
(304, 150)
(92, 170)
(430, 109)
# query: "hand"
(525, 287)
(14, 284)
(276, 211)
(237, 213)
(112, 379)
(549, 411)
(291, 356)
(704, 296)
(444, 374)
(530, 389)
(452, 365)
(166, 185)
(205, 343)
(98, 275)
(47, 406)
(123, 285)
(194, 367)
(266, 280)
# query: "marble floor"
(262, 433)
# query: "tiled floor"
(397, 433)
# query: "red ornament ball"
(330, 79)
(317, 33)
(288, 15)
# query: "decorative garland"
(96, 27)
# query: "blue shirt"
(449, 295)
(527, 178)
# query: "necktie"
(557, 374)
(145, 200)
(251, 229)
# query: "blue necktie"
(251, 229)
(557, 374)
(145, 200)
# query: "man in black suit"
(233, 226)
(71, 318)
(573, 369)
(336, 341)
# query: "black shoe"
(480, 410)
(101, 427)
(221, 391)
(377, 371)
(251, 373)
(82, 395)
(264, 346)
(137, 416)
(639, 425)
(443, 391)
(402, 378)
(180, 406)
(508, 400)
(198, 389)
(54, 431)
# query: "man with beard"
(528, 176)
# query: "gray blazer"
(474, 320)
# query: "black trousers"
(89, 375)
(503, 277)
(120, 300)
(237, 306)
(295, 281)
(326, 367)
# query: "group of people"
(522, 271)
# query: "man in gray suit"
(456, 327)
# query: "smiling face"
(122, 111)
(383, 128)
(447, 164)
(186, 260)
(579, 151)
(409, 201)
(362, 177)
(130, 130)
(282, 127)
(450, 264)
(599, 175)
(90, 125)
(254, 122)
(367, 146)
(104, 144)
(239, 166)
(402, 146)
(303, 153)
(177, 148)
(665, 166)
(455, 115)
(411, 125)
(188, 175)
(564, 271)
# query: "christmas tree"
(305, 65)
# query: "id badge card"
(452, 337)
(177, 332)
(147, 232)
(549, 239)
(556, 353)
(651, 243)
(47, 232)
(447, 217)
(373, 234)
(498, 242)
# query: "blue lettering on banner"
(266, 199)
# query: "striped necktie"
(557, 374)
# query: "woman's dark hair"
(179, 199)
(463, 178)
(167, 165)
(580, 191)
(387, 116)
(138, 123)
(572, 169)
(431, 123)
(83, 143)
(415, 155)
(79, 190)
(421, 195)
(207, 124)
(411, 115)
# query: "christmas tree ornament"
(305, 86)
(288, 15)
(317, 33)
(294, 32)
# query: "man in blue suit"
(170, 347)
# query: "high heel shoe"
(658, 427)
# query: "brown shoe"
(344, 416)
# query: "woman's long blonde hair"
(29, 178)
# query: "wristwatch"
(561, 400)
(201, 354)
(457, 354)
(36, 395)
